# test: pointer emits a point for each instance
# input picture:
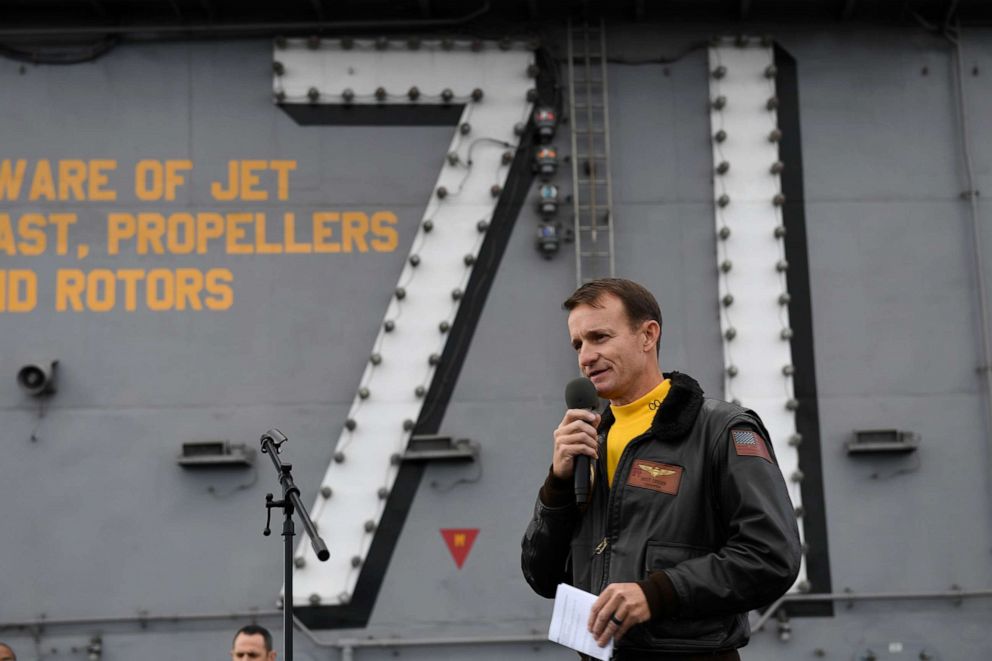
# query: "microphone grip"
(581, 477)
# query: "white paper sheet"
(570, 622)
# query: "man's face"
(613, 355)
(251, 648)
(6, 654)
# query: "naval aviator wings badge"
(664, 478)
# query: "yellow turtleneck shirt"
(632, 420)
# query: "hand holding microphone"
(576, 440)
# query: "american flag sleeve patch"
(749, 443)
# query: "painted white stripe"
(757, 351)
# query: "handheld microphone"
(580, 393)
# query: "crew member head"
(615, 328)
(253, 643)
(7, 654)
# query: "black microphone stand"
(271, 442)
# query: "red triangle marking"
(459, 541)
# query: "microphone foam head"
(580, 393)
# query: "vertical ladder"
(592, 189)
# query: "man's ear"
(652, 334)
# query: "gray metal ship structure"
(355, 223)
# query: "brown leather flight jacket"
(698, 515)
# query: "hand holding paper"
(570, 622)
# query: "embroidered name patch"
(664, 478)
(749, 443)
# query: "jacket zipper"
(611, 533)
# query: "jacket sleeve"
(761, 557)
(546, 544)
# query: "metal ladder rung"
(589, 110)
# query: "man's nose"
(587, 357)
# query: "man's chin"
(603, 388)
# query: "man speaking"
(688, 523)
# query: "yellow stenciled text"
(246, 233)
(103, 290)
(18, 290)
(67, 179)
(159, 180)
(31, 233)
(250, 180)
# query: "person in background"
(252, 643)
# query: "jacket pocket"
(675, 633)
